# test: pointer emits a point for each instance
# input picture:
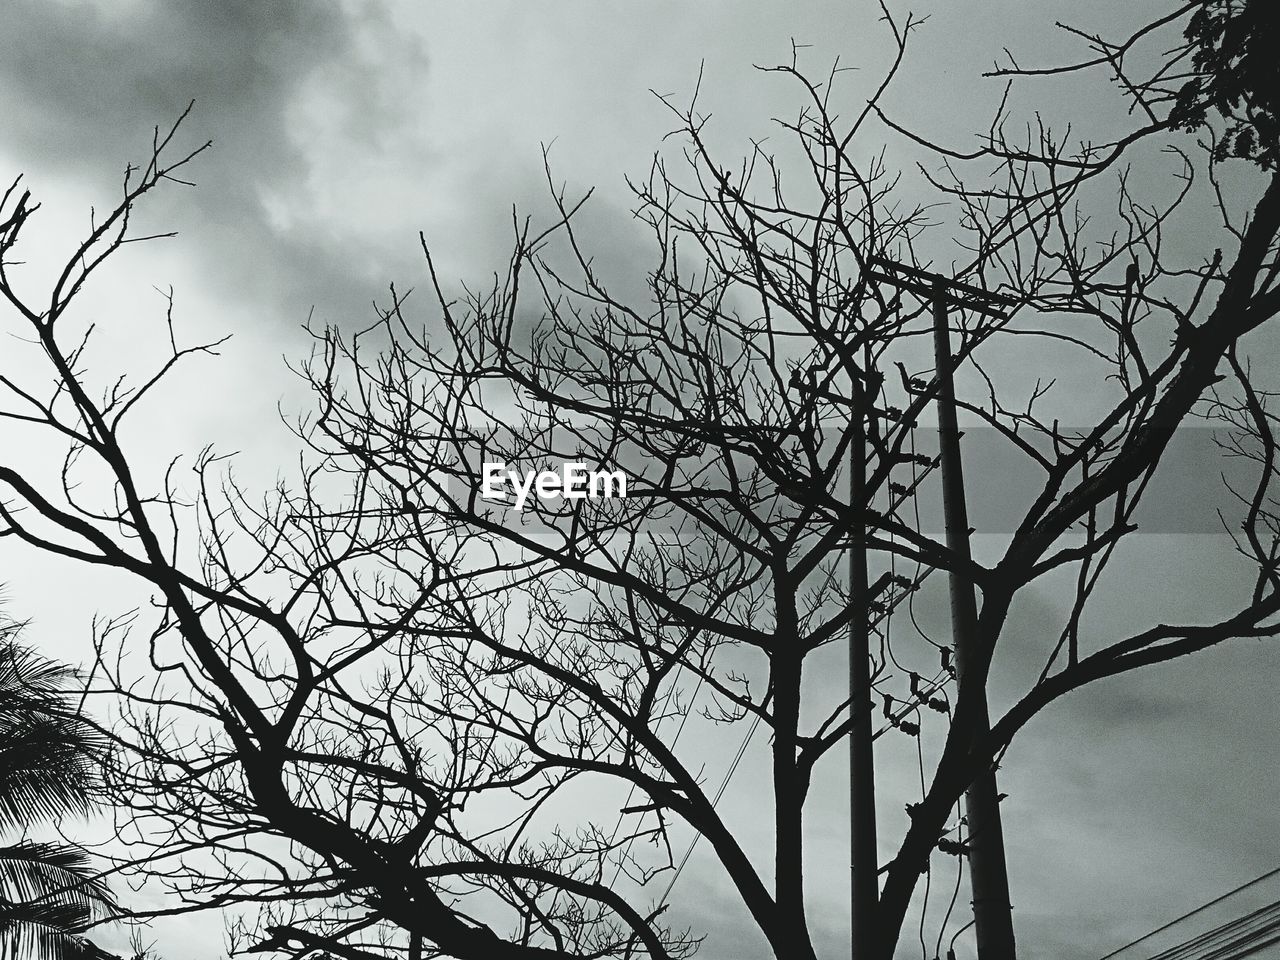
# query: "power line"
(1236, 938)
(1192, 913)
(631, 792)
(728, 775)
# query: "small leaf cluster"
(1235, 74)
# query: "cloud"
(292, 94)
(1129, 803)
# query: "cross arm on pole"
(927, 284)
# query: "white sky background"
(342, 129)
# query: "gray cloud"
(1128, 803)
(84, 85)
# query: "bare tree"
(397, 718)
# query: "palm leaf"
(33, 871)
(48, 895)
(45, 932)
(48, 753)
(49, 766)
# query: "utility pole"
(863, 857)
(988, 874)
(864, 863)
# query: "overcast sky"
(342, 129)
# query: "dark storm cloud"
(84, 85)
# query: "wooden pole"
(864, 859)
(992, 913)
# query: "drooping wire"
(928, 866)
(951, 947)
(631, 791)
(724, 783)
(955, 895)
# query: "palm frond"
(48, 753)
(32, 871)
(45, 932)
(43, 775)
(48, 896)
(23, 672)
(49, 767)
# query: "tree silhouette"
(1235, 74)
(403, 720)
(49, 763)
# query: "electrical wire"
(631, 792)
(1236, 938)
(955, 895)
(733, 766)
(1192, 913)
